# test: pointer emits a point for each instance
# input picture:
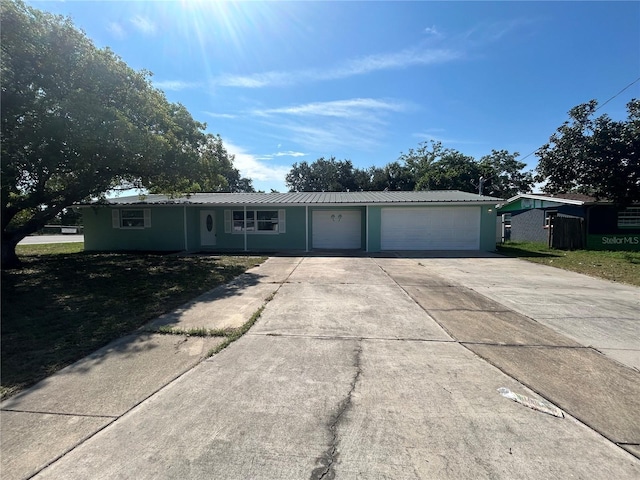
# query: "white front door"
(207, 228)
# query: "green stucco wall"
(488, 229)
(375, 227)
(292, 239)
(167, 230)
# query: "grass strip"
(193, 332)
(239, 332)
(616, 266)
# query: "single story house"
(366, 221)
(605, 226)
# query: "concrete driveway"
(389, 368)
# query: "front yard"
(615, 266)
(65, 304)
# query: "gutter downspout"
(245, 228)
(306, 229)
(186, 242)
(366, 228)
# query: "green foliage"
(77, 122)
(322, 176)
(594, 156)
(427, 167)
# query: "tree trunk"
(9, 258)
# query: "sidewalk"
(44, 422)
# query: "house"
(604, 226)
(366, 221)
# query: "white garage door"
(339, 229)
(433, 228)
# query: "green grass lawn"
(65, 303)
(616, 266)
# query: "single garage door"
(337, 229)
(433, 228)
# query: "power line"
(635, 81)
(625, 88)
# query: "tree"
(393, 176)
(503, 176)
(594, 156)
(451, 171)
(78, 122)
(437, 168)
(323, 176)
(213, 172)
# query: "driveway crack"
(326, 469)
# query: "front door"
(207, 228)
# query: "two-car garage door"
(432, 228)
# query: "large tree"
(77, 122)
(503, 175)
(323, 175)
(499, 174)
(594, 156)
(213, 172)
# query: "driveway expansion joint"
(529, 345)
(326, 469)
(345, 337)
(88, 415)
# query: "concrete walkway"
(358, 368)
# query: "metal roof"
(309, 198)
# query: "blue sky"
(285, 82)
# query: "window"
(257, 221)
(131, 218)
(267, 220)
(629, 218)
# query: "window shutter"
(115, 218)
(282, 221)
(227, 221)
(147, 218)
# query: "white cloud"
(175, 85)
(432, 31)
(144, 24)
(344, 123)
(250, 166)
(334, 136)
(116, 30)
(289, 154)
(220, 115)
(416, 56)
(350, 108)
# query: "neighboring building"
(367, 221)
(527, 217)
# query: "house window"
(267, 220)
(133, 218)
(257, 221)
(629, 218)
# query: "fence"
(567, 233)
